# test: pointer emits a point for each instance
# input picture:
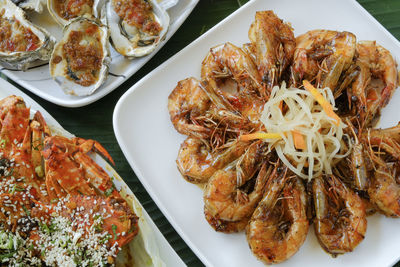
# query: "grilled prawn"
(323, 55)
(197, 163)
(279, 225)
(375, 84)
(228, 195)
(340, 219)
(383, 149)
(273, 45)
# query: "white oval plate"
(166, 252)
(38, 80)
(150, 142)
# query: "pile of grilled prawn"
(46, 179)
(246, 186)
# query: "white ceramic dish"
(150, 142)
(38, 80)
(166, 252)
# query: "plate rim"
(120, 104)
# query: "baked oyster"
(136, 26)
(22, 44)
(63, 11)
(80, 60)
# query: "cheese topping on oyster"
(80, 60)
(63, 11)
(136, 26)
(22, 44)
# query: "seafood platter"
(75, 52)
(62, 204)
(290, 133)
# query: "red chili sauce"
(68, 9)
(84, 61)
(14, 37)
(138, 13)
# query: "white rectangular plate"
(38, 80)
(150, 142)
(166, 252)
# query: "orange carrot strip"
(322, 101)
(260, 135)
(298, 139)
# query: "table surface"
(95, 121)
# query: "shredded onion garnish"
(302, 114)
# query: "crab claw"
(92, 145)
(70, 170)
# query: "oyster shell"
(36, 5)
(80, 60)
(22, 44)
(137, 26)
(63, 11)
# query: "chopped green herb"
(105, 239)
(3, 143)
(78, 257)
(16, 188)
(39, 171)
(114, 229)
(37, 144)
(28, 212)
(109, 191)
(19, 189)
(45, 228)
(98, 228)
(7, 255)
(65, 243)
(6, 240)
(133, 228)
(12, 190)
(53, 227)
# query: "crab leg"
(95, 174)
(40, 130)
(91, 145)
(63, 173)
(14, 125)
(70, 170)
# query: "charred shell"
(22, 44)
(80, 60)
(35, 5)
